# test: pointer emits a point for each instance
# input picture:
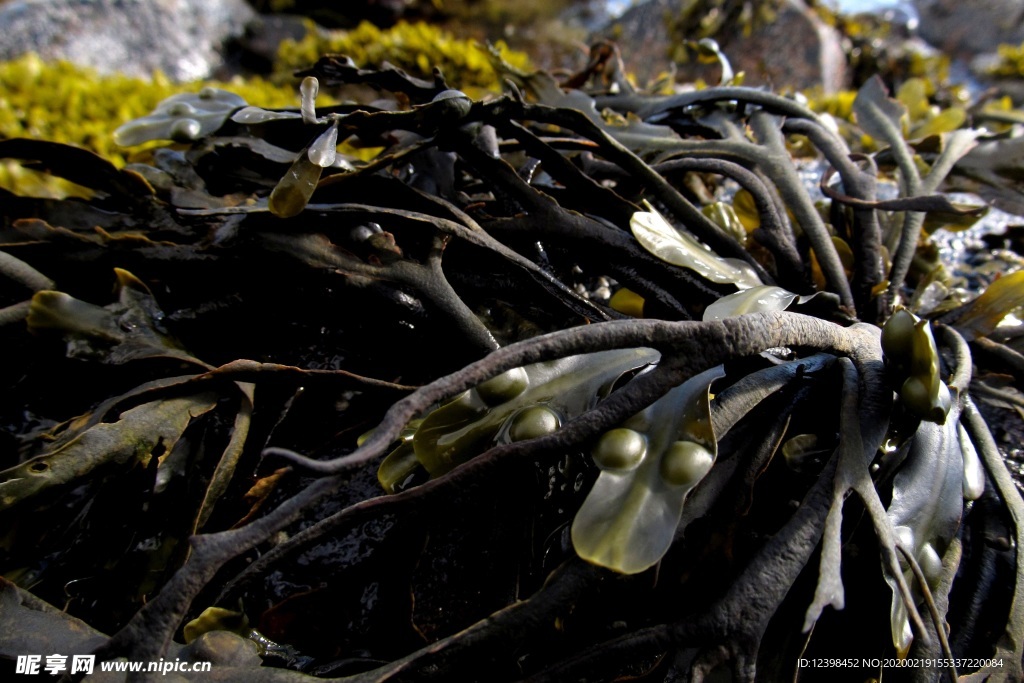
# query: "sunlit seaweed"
(414, 47)
(1011, 61)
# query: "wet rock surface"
(964, 29)
(797, 49)
(181, 38)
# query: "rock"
(29, 625)
(643, 38)
(964, 29)
(798, 49)
(223, 648)
(257, 48)
(346, 14)
(181, 38)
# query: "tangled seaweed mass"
(575, 383)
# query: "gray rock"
(29, 625)
(181, 38)
(964, 28)
(797, 49)
(223, 648)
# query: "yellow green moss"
(917, 94)
(1011, 62)
(839, 104)
(66, 103)
(72, 104)
(414, 47)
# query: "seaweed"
(372, 418)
